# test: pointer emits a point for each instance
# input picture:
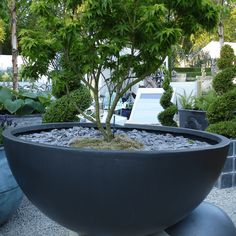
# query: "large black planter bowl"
(121, 193)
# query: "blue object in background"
(10, 193)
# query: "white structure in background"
(184, 88)
(6, 61)
(146, 106)
(213, 48)
(147, 102)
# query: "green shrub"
(226, 128)
(223, 81)
(203, 103)
(221, 113)
(166, 117)
(64, 109)
(226, 57)
(165, 100)
(222, 109)
(191, 70)
(61, 85)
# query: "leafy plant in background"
(221, 113)
(166, 117)
(85, 38)
(2, 30)
(192, 102)
(22, 102)
(64, 109)
(186, 101)
(227, 57)
(223, 81)
(203, 102)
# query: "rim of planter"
(21, 116)
(217, 141)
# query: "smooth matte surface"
(115, 192)
(29, 221)
(193, 119)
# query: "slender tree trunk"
(221, 25)
(221, 33)
(170, 64)
(14, 45)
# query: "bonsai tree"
(221, 113)
(130, 39)
(166, 117)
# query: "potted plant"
(10, 193)
(193, 110)
(113, 192)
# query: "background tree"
(129, 38)
(14, 42)
(225, 30)
(5, 45)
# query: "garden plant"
(120, 43)
(64, 109)
(130, 39)
(166, 117)
(23, 102)
(202, 102)
(221, 113)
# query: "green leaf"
(29, 95)
(13, 106)
(5, 93)
(38, 107)
(27, 107)
(45, 99)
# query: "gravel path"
(29, 221)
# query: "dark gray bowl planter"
(193, 119)
(128, 193)
(10, 193)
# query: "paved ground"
(28, 221)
